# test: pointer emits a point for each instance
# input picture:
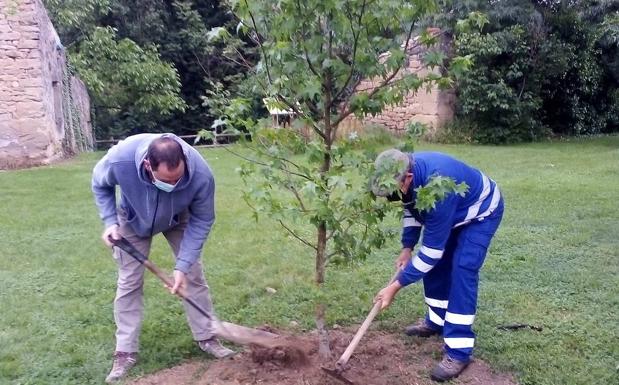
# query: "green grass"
(554, 263)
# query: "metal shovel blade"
(243, 335)
(337, 374)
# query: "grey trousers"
(129, 301)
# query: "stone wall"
(44, 113)
(433, 108)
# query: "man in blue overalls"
(456, 236)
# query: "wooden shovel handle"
(355, 341)
(364, 327)
(164, 278)
(127, 247)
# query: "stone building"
(44, 110)
(432, 107)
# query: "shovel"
(340, 365)
(235, 333)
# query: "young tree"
(313, 54)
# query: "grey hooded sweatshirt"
(150, 210)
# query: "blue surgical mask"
(163, 186)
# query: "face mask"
(394, 196)
(163, 186)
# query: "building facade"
(44, 110)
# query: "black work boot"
(421, 329)
(447, 369)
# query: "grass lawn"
(554, 264)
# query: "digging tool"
(340, 365)
(226, 330)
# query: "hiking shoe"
(122, 363)
(447, 369)
(213, 347)
(421, 329)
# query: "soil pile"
(380, 359)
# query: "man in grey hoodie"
(165, 187)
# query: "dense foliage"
(540, 68)
(147, 63)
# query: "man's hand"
(387, 294)
(403, 258)
(110, 233)
(180, 281)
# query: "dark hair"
(165, 150)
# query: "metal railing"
(107, 143)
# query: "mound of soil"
(380, 359)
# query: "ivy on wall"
(74, 138)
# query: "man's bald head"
(165, 150)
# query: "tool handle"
(127, 247)
(364, 327)
(165, 278)
(355, 341)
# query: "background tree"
(312, 55)
(541, 67)
(130, 85)
(173, 33)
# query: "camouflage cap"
(390, 168)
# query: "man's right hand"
(110, 233)
(403, 258)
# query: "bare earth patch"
(380, 359)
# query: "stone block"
(33, 94)
(29, 43)
(30, 35)
(29, 110)
(29, 63)
(28, 28)
(31, 82)
(31, 129)
(15, 54)
(429, 120)
(6, 96)
(25, 17)
(10, 36)
(8, 107)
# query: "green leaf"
(436, 190)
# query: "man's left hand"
(180, 281)
(387, 294)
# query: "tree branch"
(297, 236)
(296, 194)
(354, 52)
(307, 59)
(260, 43)
(296, 110)
(268, 165)
(385, 82)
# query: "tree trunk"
(324, 351)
